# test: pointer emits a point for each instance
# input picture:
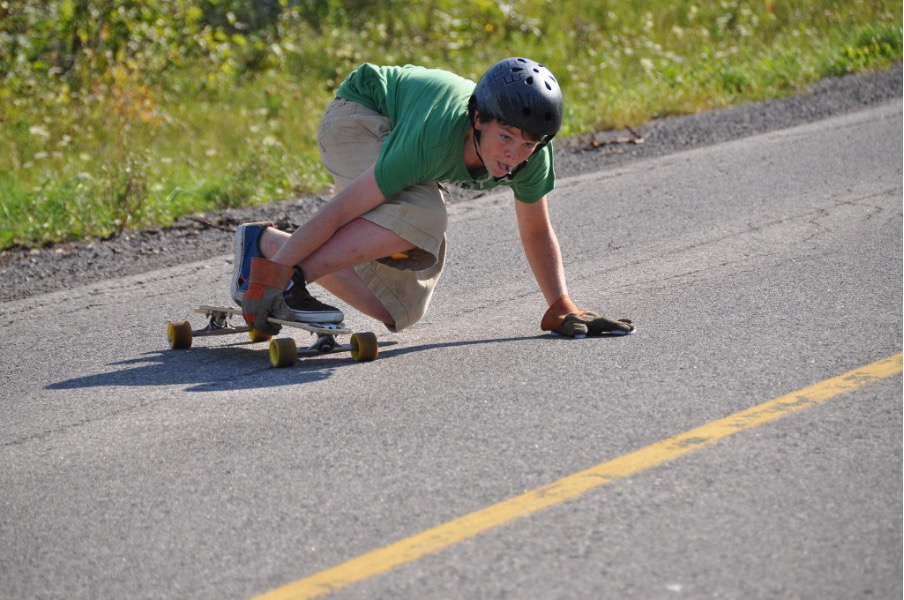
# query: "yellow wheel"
(283, 352)
(364, 346)
(179, 334)
(258, 336)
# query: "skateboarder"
(391, 139)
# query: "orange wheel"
(364, 346)
(179, 334)
(258, 336)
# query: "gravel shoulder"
(64, 266)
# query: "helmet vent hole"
(529, 81)
(549, 87)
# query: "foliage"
(118, 114)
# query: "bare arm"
(542, 250)
(541, 247)
(362, 195)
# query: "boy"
(391, 137)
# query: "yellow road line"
(440, 537)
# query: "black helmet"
(523, 93)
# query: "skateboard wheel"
(258, 336)
(283, 352)
(179, 334)
(364, 346)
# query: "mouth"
(504, 168)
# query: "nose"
(515, 152)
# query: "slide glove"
(264, 297)
(564, 318)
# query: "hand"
(564, 318)
(264, 297)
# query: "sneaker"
(306, 307)
(247, 238)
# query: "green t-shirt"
(428, 112)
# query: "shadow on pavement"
(243, 366)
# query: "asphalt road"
(755, 270)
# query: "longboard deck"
(363, 346)
(318, 328)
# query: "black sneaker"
(306, 307)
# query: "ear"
(477, 122)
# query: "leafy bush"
(128, 113)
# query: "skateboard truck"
(325, 343)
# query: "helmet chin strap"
(474, 138)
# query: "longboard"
(283, 351)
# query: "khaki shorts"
(350, 137)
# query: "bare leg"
(331, 265)
(271, 241)
(348, 286)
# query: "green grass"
(113, 119)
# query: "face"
(503, 147)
